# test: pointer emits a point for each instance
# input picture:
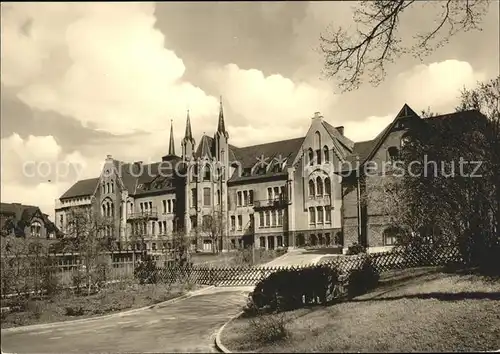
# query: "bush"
(74, 311)
(362, 280)
(355, 248)
(50, 282)
(146, 271)
(290, 289)
(268, 328)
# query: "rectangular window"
(153, 231)
(174, 209)
(252, 221)
(239, 199)
(282, 192)
(142, 207)
(276, 193)
(280, 217)
(250, 197)
(164, 202)
(328, 214)
(154, 246)
(320, 215)
(240, 222)
(150, 205)
(165, 227)
(312, 216)
(270, 193)
(268, 217)
(245, 198)
(169, 206)
(273, 218)
(206, 197)
(261, 219)
(233, 222)
(194, 198)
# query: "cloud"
(436, 85)
(103, 64)
(368, 128)
(269, 101)
(35, 171)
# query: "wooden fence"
(250, 276)
(121, 266)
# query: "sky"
(80, 81)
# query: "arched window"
(36, 228)
(328, 186)
(393, 153)
(326, 154)
(319, 183)
(312, 188)
(104, 210)
(112, 186)
(206, 173)
(103, 188)
(112, 209)
(218, 198)
(317, 140)
(311, 156)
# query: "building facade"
(26, 221)
(291, 193)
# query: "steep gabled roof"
(19, 216)
(206, 147)
(346, 143)
(82, 188)
(365, 150)
(248, 156)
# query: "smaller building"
(26, 221)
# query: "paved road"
(295, 258)
(185, 326)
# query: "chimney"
(109, 157)
(340, 129)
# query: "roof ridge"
(271, 142)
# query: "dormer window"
(35, 229)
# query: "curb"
(118, 314)
(218, 343)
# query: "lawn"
(68, 306)
(412, 310)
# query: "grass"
(68, 306)
(413, 310)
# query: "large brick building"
(285, 193)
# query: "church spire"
(171, 145)
(188, 134)
(221, 128)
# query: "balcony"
(144, 215)
(271, 203)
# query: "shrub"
(355, 248)
(75, 311)
(293, 288)
(50, 282)
(268, 328)
(362, 280)
(146, 271)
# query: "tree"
(451, 196)
(376, 42)
(90, 235)
(213, 226)
(180, 247)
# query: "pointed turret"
(188, 140)
(221, 127)
(188, 134)
(171, 145)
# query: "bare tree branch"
(376, 43)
